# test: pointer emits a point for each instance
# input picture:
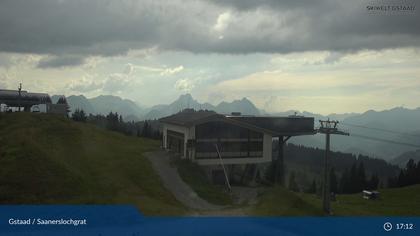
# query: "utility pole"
(328, 127)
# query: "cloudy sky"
(316, 55)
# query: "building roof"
(291, 125)
(276, 126)
(189, 117)
(12, 98)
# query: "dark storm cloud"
(245, 5)
(95, 27)
(60, 61)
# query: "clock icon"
(387, 226)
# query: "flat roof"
(290, 125)
(276, 126)
(189, 117)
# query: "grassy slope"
(52, 160)
(198, 181)
(394, 202)
(278, 201)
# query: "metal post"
(20, 95)
(279, 170)
(326, 190)
(223, 166)
(328, 127)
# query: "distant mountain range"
(104, 104)
(402, 159)
(244, 106)
(374, 133)
(367, 130)
(132, 112)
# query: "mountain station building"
(243, 142)
(21, 100)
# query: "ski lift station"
(21, 100)
(236, 144)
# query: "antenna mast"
(20, 95)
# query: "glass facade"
(233, 141)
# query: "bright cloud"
(184, 85)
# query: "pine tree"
(312, 188)
(418, 172)
(401, 181)
(145, 131)
(353, 180)
(292, 182)
(333, 181)
(361, 178)
(79, 115)
(344, 182)
(411, 172)
(269, 172)
(392, 182)
(373, 182)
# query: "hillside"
(402, 159)
(393, 202)
(46, 159)
(397, 125)
(308, 164)
(104, 104)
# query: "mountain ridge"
(244, 106)
(397, 124)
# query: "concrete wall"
(186, 131)
(267, 148)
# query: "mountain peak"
(244, 99)
(77, 96)
(185, 96)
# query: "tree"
(418, 172)
(333, 181)
(392, 182)
(113, 122)
(292, 182)
(402, 179)
(146, 132)
(361, 178)
(408, 176)
(344, 182)
(79, 115)
(269, 172)
(373, 183)
(353, 180)
(312, 188)
(411, 172)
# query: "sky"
(322, 56)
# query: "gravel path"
(173, 182)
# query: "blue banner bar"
(127, 220)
